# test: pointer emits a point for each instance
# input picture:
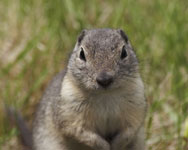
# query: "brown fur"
(77, 113)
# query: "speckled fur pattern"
(76, 113)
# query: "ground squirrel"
(98, 102)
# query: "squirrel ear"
(81, 36)
(123, 35)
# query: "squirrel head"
(103, 59)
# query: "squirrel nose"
(104, 79)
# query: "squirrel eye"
(82, 55)
(123, 52)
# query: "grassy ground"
(37, 35)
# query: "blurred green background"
(36, 37)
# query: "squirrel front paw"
(102, 145)
(119, 143)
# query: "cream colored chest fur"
(106, 112)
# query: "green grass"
(37, 35)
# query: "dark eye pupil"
(82, 55)
(123, 53)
